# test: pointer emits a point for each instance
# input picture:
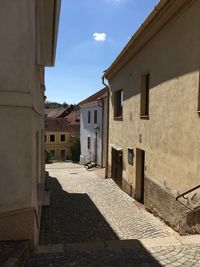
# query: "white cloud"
(99, 37)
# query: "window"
(88, 142)
(95, 116)
(45, 138)
(89, 114)
(52, 137)
(53, 153)
(62, 137)
(118, 104)
(144, 96)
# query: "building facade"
(28, 32)
(93, 128)
(154, 120)
(58, 138)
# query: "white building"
(93, 128)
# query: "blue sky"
(91, 35)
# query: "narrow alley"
(91, 222)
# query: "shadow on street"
(74, 221)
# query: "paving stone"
(91, 222)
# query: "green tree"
(47, 156)
(75, 150)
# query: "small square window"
(52, 137)
(89, 115)
(95, 117)
(118, 104)
(62, 137)
(88, 142)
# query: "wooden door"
(117, 165)
(62, 154)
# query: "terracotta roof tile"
(73, 117)
(57, 125)
(55, 112)
(94, 97)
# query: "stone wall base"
(164, 205)
(126, 187)
(82, 160)
(20, 225)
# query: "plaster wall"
(170, 137)
(16, 160)
(21, 119)
(87, 130)
(105, 130)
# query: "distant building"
(57, 138)
(73, 117)
(93, 128)
(61, 130)
(73, 121)
(28, 31)
(154, 122)
(56, 112)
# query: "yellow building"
(154, 121)
(57, 138)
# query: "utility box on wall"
(130, 156)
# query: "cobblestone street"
(91, 222)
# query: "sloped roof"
(75, 130)
(57, 125)
(55, 112)
(94, 97)
(162, 14)
(73, 117)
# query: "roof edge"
(161, 15)
(57, 8)
(94, 97)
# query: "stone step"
(14, 253)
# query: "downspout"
(108, 101)
(101, 105)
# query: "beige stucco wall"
(170, 137)
(21, 120)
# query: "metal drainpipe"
(108, 100)
(101, 105)
(96, 148)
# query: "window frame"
(89, 142)
(54, 138)
(61, 138)
(118, 104)
(144, 96)
(89, 116)
(95, 116)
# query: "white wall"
(87, 130)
